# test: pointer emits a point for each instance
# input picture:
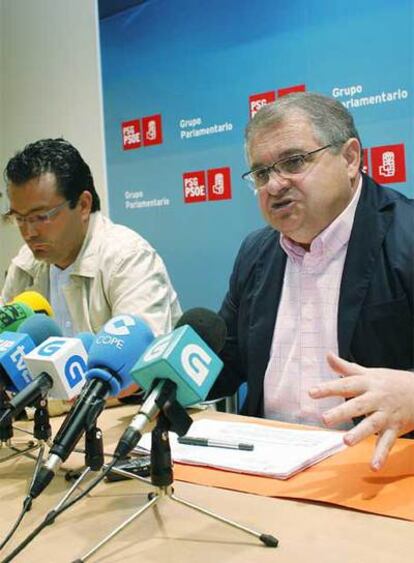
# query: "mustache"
(32, 242)
(284, 196)
(284, 193)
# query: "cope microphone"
(111, 357)
(182, 362)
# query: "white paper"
(278, 452)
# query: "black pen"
(190, 441)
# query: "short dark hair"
(58, 156)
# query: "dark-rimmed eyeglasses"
(33, 219)
(285, 168)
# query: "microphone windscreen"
(207, 324)
(86, 338)
(116, 348)
(40, 327)
(13, 315)
(35, 301)
(184, 358)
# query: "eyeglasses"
(36, 218)
(285, 168)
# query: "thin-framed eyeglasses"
(33, 219)
(285, 168)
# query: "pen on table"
(192, 441)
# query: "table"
(307, 531)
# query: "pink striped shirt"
(306, 323)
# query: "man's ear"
(352, 154)
(85, 204)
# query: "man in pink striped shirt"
(333, 271)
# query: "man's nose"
(28, 230)
(277, 183)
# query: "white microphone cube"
(64, 360)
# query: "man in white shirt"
(88, 267)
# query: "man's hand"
(384, 396)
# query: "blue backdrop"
(180, 80)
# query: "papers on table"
(278, 452)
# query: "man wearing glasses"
(89, 268)
(333, 271)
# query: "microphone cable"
(54, 513)
(27, 503)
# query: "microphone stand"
(94, 460)
(94, 455)
(6, 429)
(172, 417)
(42, 431)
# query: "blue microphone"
(40, 327)
(86, 338)
(111, 358)
(56, 368)
(183, 360)
(14, 374)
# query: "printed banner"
(182, 78)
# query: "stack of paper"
(278, 452)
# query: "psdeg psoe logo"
(131, 134)
(145, 131)
(257, 101)
(386, 164)
(211, 185)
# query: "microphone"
(180, 362)
(23, 306)
(58, 368)
(35, 301)
(86, 338)
(14, 374)
(13, 315)
(111, 357)
(58, 365)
